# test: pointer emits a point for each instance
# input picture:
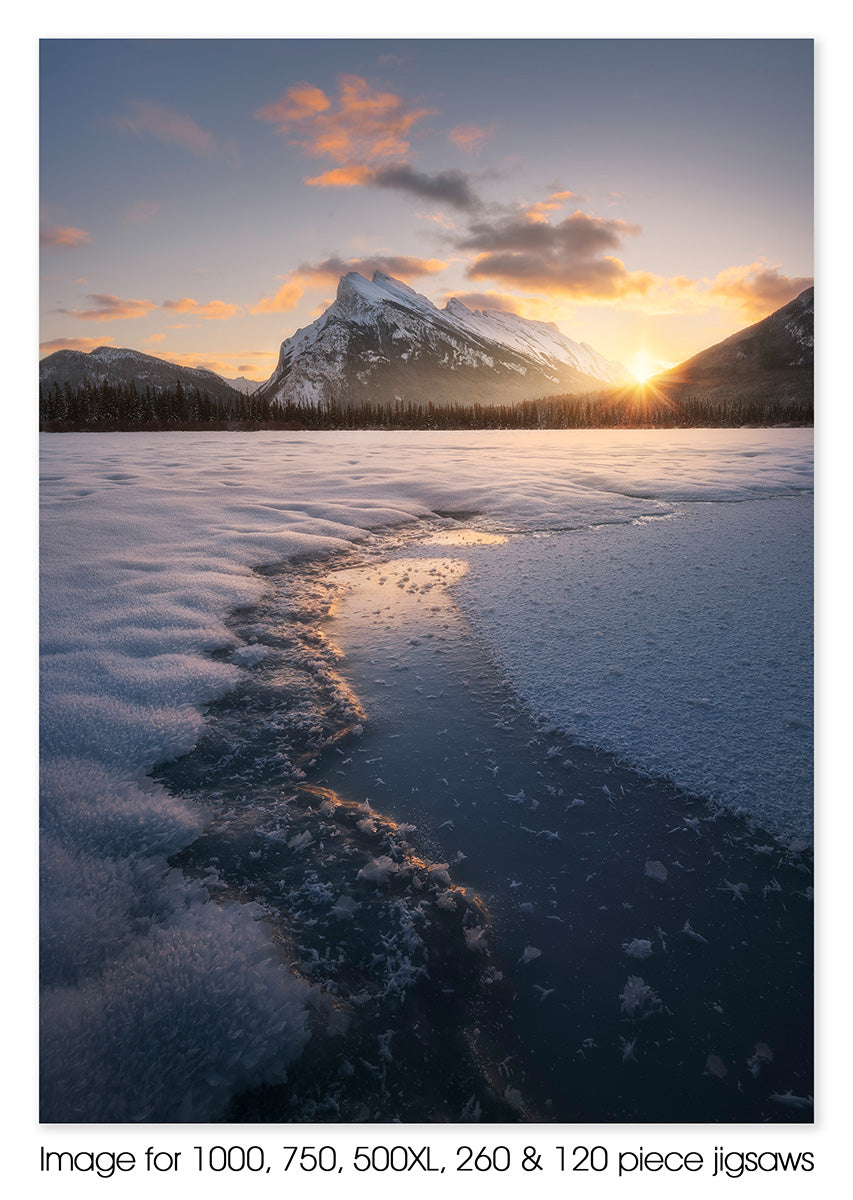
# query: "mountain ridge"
(774, 357)
(115, 364)
(364, 347)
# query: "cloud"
(330, 270)
(221, 366)
(302, 102)
(155, 337)
(525, 250)
(84, 344)
(358, 125)
(286, 298)
(470, 138)
(539, 211)
(758, 289)
(64, 235)
(450, 187)
(353, 175)
(110, 308)
(147, 118)
(141, 212)
(214, 310)
(494, 301)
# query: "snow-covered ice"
(652, 594)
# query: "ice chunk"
(379, 870)
(656, 870)
(638, 948)
(638, 999)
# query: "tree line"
(123, 406)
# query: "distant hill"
(381, 342)
(118, 366)
(771, 361)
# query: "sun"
(643, 366)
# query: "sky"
(200, 198)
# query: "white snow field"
(653, 598)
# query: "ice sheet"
(148, 541)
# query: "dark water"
(499, 924)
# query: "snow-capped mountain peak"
(381, 341)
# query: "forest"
(105, 406)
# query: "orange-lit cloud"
(568, 258)
(147, 118)
(141, 212)
(84, 344)
(226, 367)
(301, 102)
(758, 289)
(330, 270)
(64, 235)
(286, 298)
(540, 210)
(155, 337)
(214, 310)
(110, 308)
(354, 175)
(470, 138)
(358, 125)
(449, 187)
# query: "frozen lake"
(545, 655)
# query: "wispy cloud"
(84, 344)
(758, 289)
(494, 301)
(286, 298)
(110, 308)
(449, 187)
(141, 212)
(330, 270)
(226, 367)
(352, 175)
(64, 235)
(147, 118)
(357, 125)
(213, 310)
(539, 211)
(470, 138)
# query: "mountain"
(381, 341)
(123, 366)
(771, 360)
(241, 384)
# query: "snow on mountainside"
(117, 365)
(240, 384)
(381, 341)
